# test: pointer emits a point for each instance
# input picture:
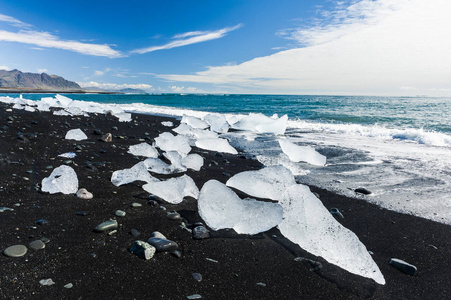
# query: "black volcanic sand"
(100, 266)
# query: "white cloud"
(369, 47)
(182, 89)
(42, 70)
(114, 86)
(13, 21)
(5, 68)
(189, 38)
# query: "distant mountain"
(17, 79)
(131, 91)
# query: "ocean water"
(397, 147)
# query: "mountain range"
(18, 79)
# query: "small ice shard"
(76, 134)
(47, 282)
(156, 165)
(270, 182)
(68, 155)
(194, 133)
(194, 122)
(123, 117)
(221, 208)
(193, 162)
(136, 173)
(143, 149)
(168, 142)
(218, 144)
(62, 100)
(309, 224)
(176, 161)
(262, 124)
(62, 180)
(301, 153)
(167, 123)
(173, 190)
(217, 122)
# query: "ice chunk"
(309, 224)
(262, 124)
(168, 142)
(194, 122)
(221, 208)
(143, 149)
(176, 161)
(68, 155)
(217, 122)
(173, 190)
(193, 162)
(62, 180)
(218, 144)
(76, 134)
(167, 123)
(156, 165)
(136, 173)
(195, 133)
(123, 117)
(62, 100)
(301, 153)
(270, 182)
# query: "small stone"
(200, 233)
(97, 132)
(136, 204)
(162, 207)
(194, 296)
(153, 203)
(15, 251)
(134, 232)
(45, 240)
(334, 211)
(37, 245)
(403, 266)
(176, 253)
(114, 128)
(261, 284)
(47, 282)
(84, 194)
(163, 245)
(2, 209)
(80, 213)
(68, 286)
(362, 190)
(106, 226)
(107, 138)
(119, 213)
(157, 234)
(42, 222)
(174, 216)
(197, 277)
(143, 250)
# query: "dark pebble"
(403, 266)
(134, 232)
(42, 222)
(176, 253)
(163, 245)
(197, 277)
(80, 213)
(362, 190)
(200, 233)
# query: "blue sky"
(350, 47)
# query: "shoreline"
(243, 261)
(4, 90)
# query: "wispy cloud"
(48, 40)
(5, 68)
(114, 86)
(368, 47)
(42, 70)
(189, 38)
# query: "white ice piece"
(218, 144)
(217, 122)
(173, 190)
(193, 162)
(156, 165)
(262, 124)
(301, 153)
(68, 155)
(143, 149)
(269, 183)
(136, 173)
(166, 141)
(194, 133)
(62, 180)
(309, 224)
(194, 122)
(62, 100)
(76, 134)
(167, 123)
(221, 208)
(123, 117)
(176, 161)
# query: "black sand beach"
(233, 266)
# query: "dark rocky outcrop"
(18, 79)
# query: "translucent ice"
(270, 182)
(218, 144)
(62, 100)
(173, 190)
(168, 142)
(123, 117)
(62, 180)
(136, 173)
(76, 134)
(262, 124)
(301, 153)
(194, 122)
(156, 165)
(309, 224)
(167, 123)
(193, 162)
(217, 122)
(143, 149)
(194, 133)
(221, 208)
(176, 161)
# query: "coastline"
(242, 261)
(4, 90)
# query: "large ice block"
(76, 134)
(221, 208)
(157, 166)
(62, 180)
(193, 162)
(262, 124)
(194, 133)
(309, 224)
(136, 173)
(301, 153)
(270, 182)
(218, 144)
(143, 149)
(176, 161)
(62, 100)
(217, 122)
(168, 142)
(194, 122)
(173, 190)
